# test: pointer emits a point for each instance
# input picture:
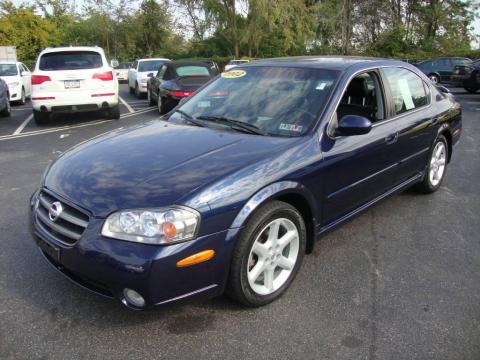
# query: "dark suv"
(441, 69)
(467, 76)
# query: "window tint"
(8, 70)
(362, 97)
(192, 71)
(150, 65)
(70, 60)
(407, 89)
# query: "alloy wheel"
(273, 256)
(437, 164)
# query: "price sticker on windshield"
(234, 74)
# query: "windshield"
(8, 70)
(279, 101)
(70, 60)
(152, 65)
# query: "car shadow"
(68, 119)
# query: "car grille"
(70, 224)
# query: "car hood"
(8, 79)
(153, 165)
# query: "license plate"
(49, 249)
(72, 84)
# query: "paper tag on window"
(406, 94)
(321, 86)
(291, 127)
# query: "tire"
(40, 118)
(7, 110)
(162, 106)
(434, 78)
(131, 90)
(114, 112)
(252, 292)
(138, 95)
(151, 102)
(22, 100)
(438, 164)
(471, 90)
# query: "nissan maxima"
(230, 189)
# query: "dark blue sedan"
(229, 190)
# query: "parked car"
(122, 71)
(137, 74)
(176, 80)
(441, 69)
(466, 76)
(73, 79)
(232, 63)
(4, 99)
(234, 187)
(18, 78)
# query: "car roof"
(324, 62)
(72, 48)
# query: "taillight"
(40, 79)
(104, 76)
(181, 93)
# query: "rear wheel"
(40, 118)
(131, 90)
(114, 112)
(436, 167)
(7, 110)
(138, 94)
(162, 106)
(268, 254)
(151, 102)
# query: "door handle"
(390, 139)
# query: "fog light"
(134, 298)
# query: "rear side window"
(192, 71)
(70, 60)
(407, 89)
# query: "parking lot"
(399, 282)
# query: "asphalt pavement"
(402, 281)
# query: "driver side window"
(363, 97)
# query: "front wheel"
(268, 254)
(114, 112)
(7, 109)
(23, 99)
(436, 167)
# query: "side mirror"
(443, 89)
(114, 63)
(150, 75)
(353, 125)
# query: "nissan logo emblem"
(55, 211)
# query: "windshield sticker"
(291, 127)
(234, 74)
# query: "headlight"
(153, 226)
(144, 81)
(13, 84)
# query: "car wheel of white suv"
(40, 118)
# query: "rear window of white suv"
(70, 60)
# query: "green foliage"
(224, 29)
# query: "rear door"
(414, 118)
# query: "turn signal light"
(196, 258)
(104, 76)
(40, 79)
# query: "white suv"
(17, 76)
(71, 79)
(138, 74)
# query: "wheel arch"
(290, 192)
(448, 136)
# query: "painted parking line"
(98, 122)
(129, 108)
(22, 126)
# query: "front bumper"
(108, 266)
(15, 92)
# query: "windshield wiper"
(234, 124)
(190, 118)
